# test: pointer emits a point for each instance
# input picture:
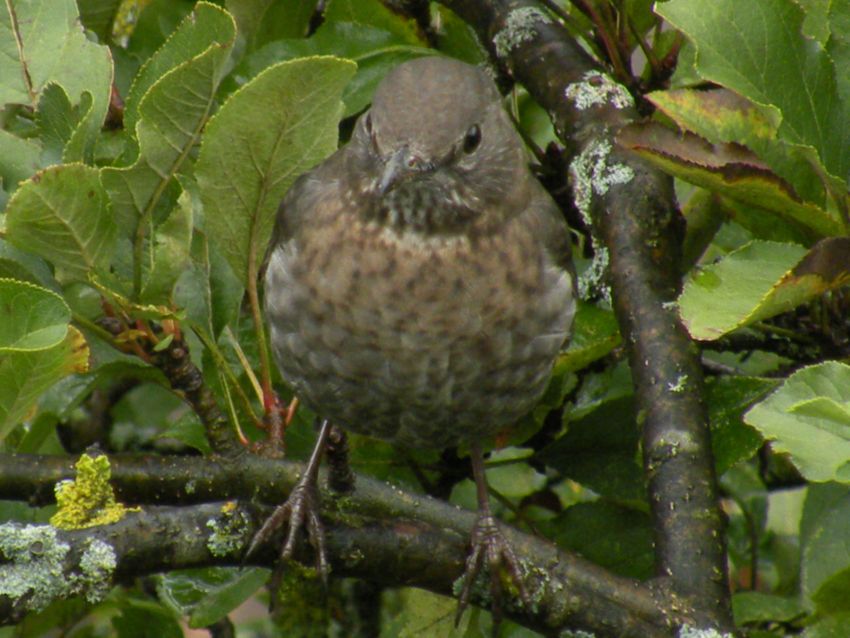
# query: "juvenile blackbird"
(419, 284)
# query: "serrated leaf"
(61, 214)
(274, 128)
(779, 69)
(31, 317)
(25, 375)
(758, 281)
(207, 27)
(41, 43)
(172, 113)
(722, 116)
(57, 119)
(819, 448)
(729, 169)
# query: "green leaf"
(273, 129)
(42, 43)
(171, 245)
(758, 607)
(261, 21)
(99, 16)
(758, 281)
(19, 158)
(57, 119)
(826, 559)
(510, 476)
(776, 67)
(156, 23)
(600, 451)
(207, 32)
(728, 169)
(595, 334)
(373, 13)
(31, 317)
(208, 595)
(417, 613)
(24, 266)
(728, 398)
(834, 626)
(143, 618)
(376, 51)
(172, 113)
(62, 215)
(208, 289)
(795, 417)
(816, 24)
(615, 537)
(25, 375)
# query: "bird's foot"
(491, 548)
(300, 511)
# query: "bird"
(419, 286)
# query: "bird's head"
(436, 152)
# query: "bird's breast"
(419, 340)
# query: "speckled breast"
(421, 341)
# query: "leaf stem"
(259, 327)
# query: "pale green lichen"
(32, 569)
(679, 384)
(686, 631)
(592, 173)
(519, 27)
(97, 565)
(227, 531)
(593, 279)
(88, 500)
(598, 89)
(576, 633)
(33, 572)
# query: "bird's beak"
(395, 167)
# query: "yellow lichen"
(88, 500)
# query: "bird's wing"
(548, 221)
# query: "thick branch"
(633, 215)
(377, 532)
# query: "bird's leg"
(340, 474)
(301, 509)
(489, 547)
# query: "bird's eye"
(472, 139)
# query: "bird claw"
(490, 547)
(301, 510)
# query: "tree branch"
(378, 532)
(637, 226)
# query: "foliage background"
(127, 226)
